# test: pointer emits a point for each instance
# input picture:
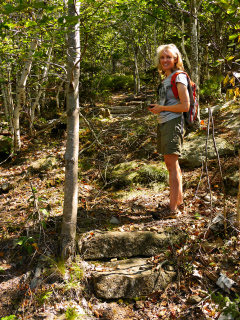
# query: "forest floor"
(30, 220)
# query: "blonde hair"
(176, 54)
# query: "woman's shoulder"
(182, 77)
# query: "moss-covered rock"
(137, 173)
(43, 164)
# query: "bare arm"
(183, 106)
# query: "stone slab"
(114, 244)
(130, 278)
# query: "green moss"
(137, 173)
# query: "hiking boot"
(181, 207)
(164, 212)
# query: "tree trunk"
(5, 97)
(69, 221)
(194, 42)
(183, 46)
(194, 47)
(40, 91)
(238, 203)
(21, 95)
(136, 72)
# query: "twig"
(35, 204)
(209, 185)
(7, 158)
(51, 125)
(90, 128)
(220, 170)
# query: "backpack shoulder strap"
(173, 82)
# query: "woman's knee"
(171, 162)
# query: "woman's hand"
(182, 106)
(155, 108)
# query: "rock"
(104, 113)
(208, 199)
(215, 109)
(233, 192)
(5, 187)
(193, 152)
(115, 244)
(107, 314)
(169, 268)
(233, 179)
(124, 109)
(44, 164)
(227, 317)
(218, 221)
(129, 280)
(130, 98)
(139, 305)
(114, 220)
(137, 172)
(194, 299)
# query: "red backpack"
(191, 116)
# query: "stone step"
(130, 273)
(133, 97)
(135, 103)
(119, 115)
(115, 244)
(131, 278)
(123, 109)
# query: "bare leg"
(175, 180)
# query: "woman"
(169, 131)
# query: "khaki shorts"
(169, 137)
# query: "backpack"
(191, 116)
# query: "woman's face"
(167, 61)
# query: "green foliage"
(84, 164)
(134, 173)
(227, 306)
(151, 173)
(5, 144)
(76, 272)
(60, 266)
(28, 243)
(118, 82)
(197, 215)
(71, 313)
(12, 317)
(43, 297)
(211, 87)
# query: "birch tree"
(69, 221)
(40, 91)
(194, 42)
(21, 92)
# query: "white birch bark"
(194, 42)
(238, 203)
(68, 233)
(21, 91)
(5, 98)
(40, 91)
(183, 46)
(136, 72)
(57, 95)
(10, 100)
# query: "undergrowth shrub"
(211, 87)
(117, 82)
